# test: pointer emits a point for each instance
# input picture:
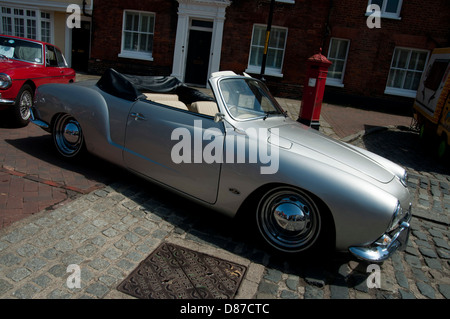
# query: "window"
(389, 8)
(337, 54)
(21, 50)
(406, 70)
(26, 23)
(54, 57)
(275, 51)
(137, 35)
(247, 99)
(46, 31)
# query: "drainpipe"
(92, 28)
(327, 31)
(84, 9)
(266, 45)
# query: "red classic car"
(25, 64)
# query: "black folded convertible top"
(156, 84)
(131, 87)
(116, 84)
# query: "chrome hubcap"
(292, 216)
(288, 220)
(72, 133)
(68, 136)
(24, 105)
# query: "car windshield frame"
(250, 99)
(24, 53)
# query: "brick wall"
(423, 25)
(306, 28)
(107, 35)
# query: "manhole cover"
(175, 272)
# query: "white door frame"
(198, 9)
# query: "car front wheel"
(68, 136)
(21, 110)
(289, 220)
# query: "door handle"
(138, 116)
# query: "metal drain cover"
(175, 272)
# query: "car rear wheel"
(289, 220)
(21, 110)
(68, 136)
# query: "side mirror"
(219, 117)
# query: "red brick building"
(385, 63)
(381, 59)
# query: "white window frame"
(48, 20)
(37, 18)
(268, 71)
(401, 91)
(131, 54)
(388, 15)
(334, 81)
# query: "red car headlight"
(5, 81)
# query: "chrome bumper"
(383, 248)
(7, 102)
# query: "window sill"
(286, 1)
(385, 16)
(400, 92)
(136, 56)
(334, 83)
(268, 72)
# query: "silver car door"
(173, 146)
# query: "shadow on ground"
(202, 225)
(42, 148)
(387, 106)
(403, 146)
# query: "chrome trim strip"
(40, 124)
(37, 122)
(7, 102)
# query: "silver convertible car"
(237, 153)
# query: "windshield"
(247, 99)
(21, 50)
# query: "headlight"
(404, 179)
(396, 217)
(5, 81)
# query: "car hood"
(332, 152)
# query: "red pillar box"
(313, 90)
